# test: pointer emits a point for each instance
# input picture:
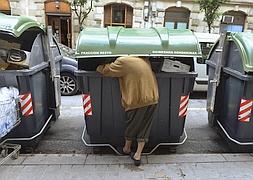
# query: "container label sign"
(246, 106)
(96, 53)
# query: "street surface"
(113, 167)
(61, 155)
(65, 135)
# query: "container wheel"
(211, 119)
(4, 152)
(15, 156)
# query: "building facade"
(236, 15)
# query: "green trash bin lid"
(243, 41)
(119, 41)
(16, 25)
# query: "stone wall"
(35, 8)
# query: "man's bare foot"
(126, 150)
(137, 156)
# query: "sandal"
(136, 162)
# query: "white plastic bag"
(8, 109)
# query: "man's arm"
(114, 69)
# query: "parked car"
(68, 82)
(206, 41)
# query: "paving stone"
(10, 172)
(19, 160)
(238, 157)
(49, 159)
(162, 171)
(111, 159)
(181, 158)
(222, 170)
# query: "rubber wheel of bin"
(211, 120)
(68, 84)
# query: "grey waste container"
(25, 50)
(105, 119)
(234, 96)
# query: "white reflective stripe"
(31, 112)
(90, 113)
(27, 108)
(87, 108)
(86, 99)
(184, 102)
(243, 100)
(246, 106)
(244, 114)
(245, 120)
(183, 111)
(23, 102)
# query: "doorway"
(61, 27)
(58, 15)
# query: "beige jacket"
(138, 83)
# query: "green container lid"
(119, 41)
(244, 42)
(16, 25)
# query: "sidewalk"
(90, 166)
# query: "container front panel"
(107, 122)
(32, 124)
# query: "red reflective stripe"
(245, 110)
(180, 109)
(88, 111)
(184, 113)
(24, 96)
(87, 103)
(184, 98)
(28, 112)
(26, 104)
(244, 118)
(85, 96)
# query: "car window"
(206, 47)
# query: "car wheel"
(68, 84)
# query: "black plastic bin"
(34, 78)
(105, 125)
(234, 95)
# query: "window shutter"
(129, 16)
(107, 15)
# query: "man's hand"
(100, 68)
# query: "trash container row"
(26, 64)
(171, 58)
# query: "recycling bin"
(167, 51)
(26, 64)
(233, 99)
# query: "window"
(176, 18)
(118, 15)
(232, 21)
